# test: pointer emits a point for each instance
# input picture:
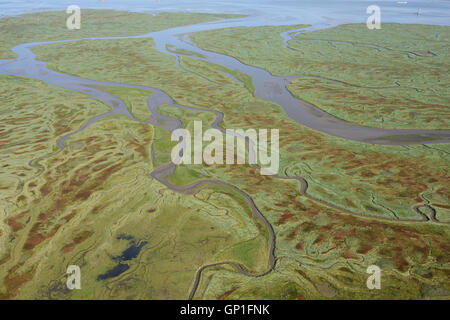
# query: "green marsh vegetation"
(135, 99)
(395, 77)
(96, 193)
(353, 175)
(321, 251)
(48, 26)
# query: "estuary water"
(270, 11)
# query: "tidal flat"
(395, 77)
(82, 205)
(79, 203)
(47, 26)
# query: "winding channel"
(268, 87)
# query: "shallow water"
(270, 11)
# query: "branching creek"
(268, 87)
